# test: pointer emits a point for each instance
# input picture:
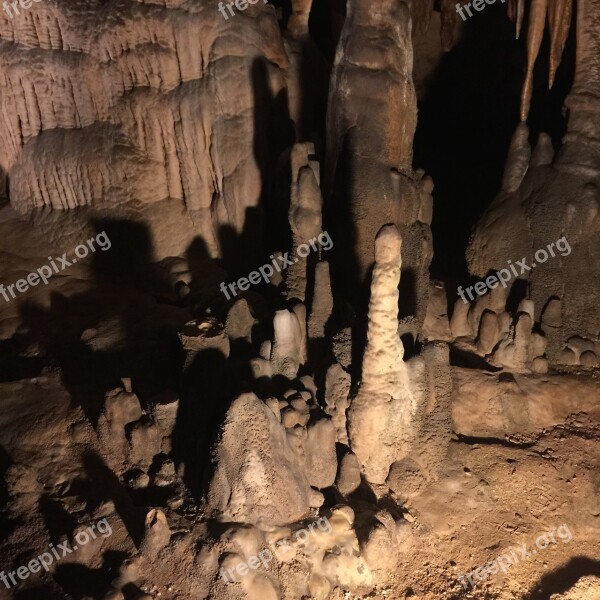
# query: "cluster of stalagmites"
(137, 443)
(277, 454)
(132, 438)
(543, 199)
(514, 341)
(297, 435)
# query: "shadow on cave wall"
(112, 313)
(466, 120)
(126, 289)
(273, 135)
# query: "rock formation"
(345, 426)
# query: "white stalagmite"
(286, 351)
(383, 407)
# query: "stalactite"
(537, 20)
(519, 21)
(561, 22)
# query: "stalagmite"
(287, 349)
(556, 205)
(348, 477)
(305, 217)
(157, 534)
(489, 330)
(326, 431)
(515, 351)
(383, 407)
(322, 302)
(459, 323)
(543, 153)
(337, 388)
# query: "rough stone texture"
(121, 408)
(259, 477)
(436, 325)
(164, 412)
(321, 460)
(157, 534)
(134, 104)
(514, 351)
(348, 478)
(459, 323)
(543, 203)
(337, 389)
(489, 407)
(173, 117)
(383, 408)
(200, 335)
(145, 442)
(239, 321)
(489, 329)
(287, 349)
(304, 216)
(322, 303)
(370, 127)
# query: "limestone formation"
(437, 324)
(459, 324)
(260, 477)
(337, 389)
(121, 408)
(383, 407)
(348, 477)
(322, 302)
(550, 210)
(321, 460)
(203, 335)
(305, 217)
(287, 350)
(370, 181)
(157, 534)
(138, 111)
(239, 321)
(489, 330)
(350, 426)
